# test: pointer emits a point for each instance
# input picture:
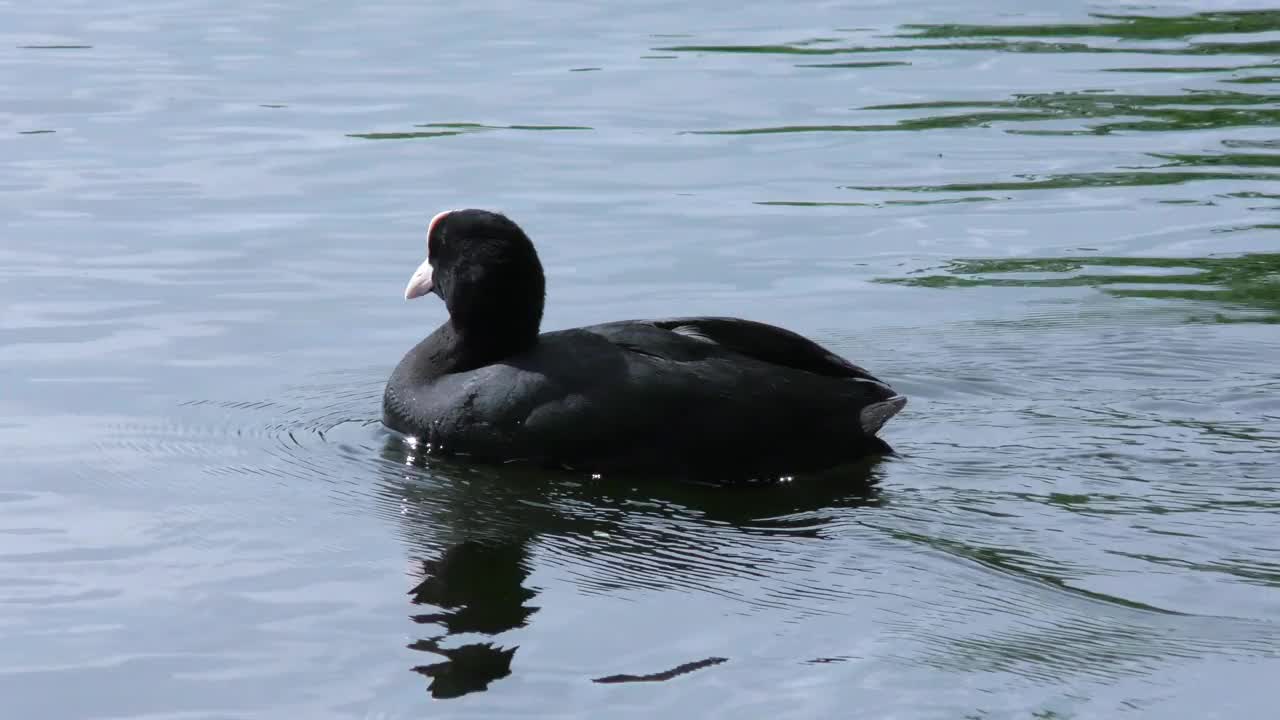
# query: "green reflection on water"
(449, 129)
(998, 37)
(1178, 169)
(481, 126)
(942, 201)
(865, 64)
(1190, 70)
(1134, 27)
(1077, 180)
(1260, 47)
(402, 135)
(1237, 159)
(1255, 80)
(1193, 110)
(1250, 281)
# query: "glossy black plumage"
(711, 398)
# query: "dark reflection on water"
(472, 530)
(477, 586)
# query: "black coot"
(696, 397)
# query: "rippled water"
(1052, 225)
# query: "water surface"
(1052, 225)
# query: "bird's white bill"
(420, 283)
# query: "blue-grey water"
(1052, 224)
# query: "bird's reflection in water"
(471, 529)
(478, 588)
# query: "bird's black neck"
(453, 349)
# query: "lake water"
(1053, 225)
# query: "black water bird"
(698, 397)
